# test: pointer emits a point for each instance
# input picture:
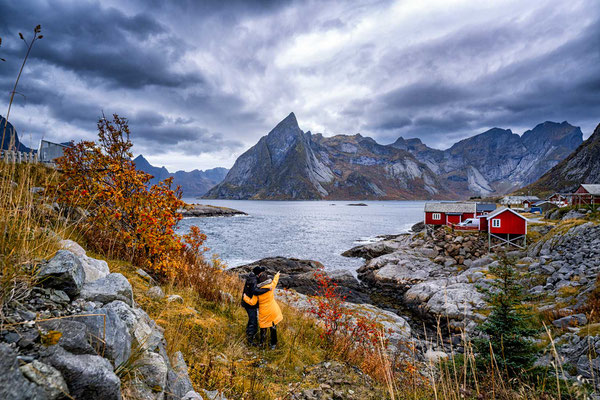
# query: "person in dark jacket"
(250, 289)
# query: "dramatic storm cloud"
(201, 81)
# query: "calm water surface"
(315, 230)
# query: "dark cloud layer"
(201, 81)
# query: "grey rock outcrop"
(65, 272)
(87, 376)
(90, 337)
(13, 384)
(108, 335)
(74, 338)
(110, 288)
(93, 268)
(46, 377)
(178, 381)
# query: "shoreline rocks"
(202, 210)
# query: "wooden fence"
(10, 156)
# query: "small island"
(205, 210)
(357, 204)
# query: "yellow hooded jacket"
(269, 313)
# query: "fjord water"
(315, 230)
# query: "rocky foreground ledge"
(437, 277)
(74, 334)
(205, 210)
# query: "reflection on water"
(315, 230)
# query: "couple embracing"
(259, 302)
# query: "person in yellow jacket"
(269, 313)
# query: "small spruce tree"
(508, 327)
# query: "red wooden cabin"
(586, 194)
(559, 199)
(507, 225)
(448, 213)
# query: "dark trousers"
(252, 327)
(272, 334)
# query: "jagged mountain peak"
(287, 125)
(581, 166)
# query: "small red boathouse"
(508, 226)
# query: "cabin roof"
(502, 210)
(518, 199)
(54, 143)
(591, 189)
(485, 207)
(451, 207)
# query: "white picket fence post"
(11, 156)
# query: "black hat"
(258, 269)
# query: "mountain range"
(288, 163)
(581, 166)
(11, 138)
(193, 183)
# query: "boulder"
(427, 252)
(213, 395)
(372, 250)
(140, 326)
(47, 377)
(191, 395)
(175, 298)
(87, 376)
(94, 269)
(108, 335)
(145, 276)
(74, 335)
(155, 292)
(65, 272)
(418, 227)
(13, 385)
(434, 357)
(73, 247)
(571, 320)
(153, 371)
(456, 302)
(110, 288)
(573, 214)
(178, 380)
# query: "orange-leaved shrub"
(125, 216)
(344, 330)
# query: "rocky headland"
(204, 210)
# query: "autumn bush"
(125, 217)
(346, 333)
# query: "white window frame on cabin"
(436, 216)
(496, 223)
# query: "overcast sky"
(201, 81)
